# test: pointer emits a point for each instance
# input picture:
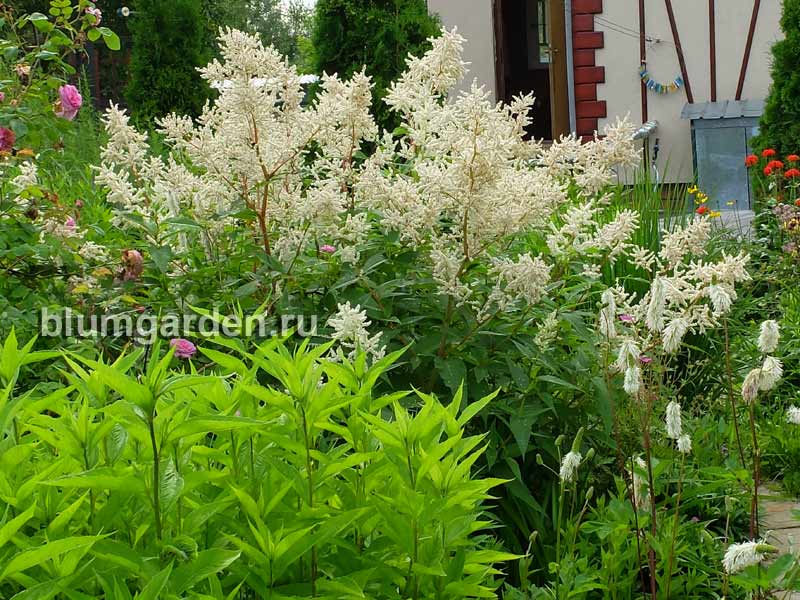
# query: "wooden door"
(499, 50)
(559, 91)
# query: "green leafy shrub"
(289, 477)
(45, 173)
(376, 35)
(780, 125)
(170, 42)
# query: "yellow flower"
(715, 214)
(731, 203)
(693, 189)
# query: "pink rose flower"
(70, 223)
(70, 102)
(7, 139)
(328, 249)
(183, 348)
(96, 13)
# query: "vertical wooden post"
(499, 50)
(677, 39)
(712, 36)
(747, 48)
(559, 92)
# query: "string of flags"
(659, 88)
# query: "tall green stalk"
(156, 476)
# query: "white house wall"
(475, 22)
(620, 56)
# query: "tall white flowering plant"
(455, 234)
(452, 233)
(326, 208)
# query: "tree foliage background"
(348, 34)
(170, 41)
(780, 125)
(284, 25)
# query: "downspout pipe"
(573, 117)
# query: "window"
(544, 32)
(538, 33)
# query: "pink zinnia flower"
(183, 348)
(7, 139)
(70, 223)
(70, 102)
(96, 13)
(327, 249)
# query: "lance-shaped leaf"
(41, 554)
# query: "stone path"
(738, 221)
(776, 516)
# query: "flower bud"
(576, 443)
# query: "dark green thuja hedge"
(170, 41)
(348, 34)
(780, 125)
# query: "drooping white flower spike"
(740, 556)
(569, 466)
(608, 315)
(769, 338)
(673, 420)
(684, 444)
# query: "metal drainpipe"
(573, 117)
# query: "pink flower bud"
(183, 348)
(133, 265)
(70, 102)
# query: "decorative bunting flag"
(660, 88)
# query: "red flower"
(7, 139)
(702, 210)
(768, 153)
(791, 173)
(775, 165)
(793, 158)
(797, 202)
(767, 171)
(751, 161)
